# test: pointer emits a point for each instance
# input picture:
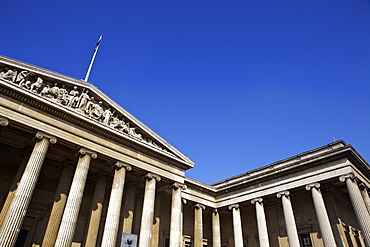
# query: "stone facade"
(79, 170)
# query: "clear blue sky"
(234, 85)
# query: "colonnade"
(64, 214)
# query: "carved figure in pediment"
(10, 75)
(134, 134)
(62, 95)
(45, 92)
(97, 111)
(115, 122)
(22, 79)
(107, 116)
(54, 90)
(73, 97)
(36, 85)
(84, 98)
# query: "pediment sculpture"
(77, 99)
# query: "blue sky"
(234, 85)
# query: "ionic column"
(18, 208)
(114, 206)
(148, 210)
(216, 230)
(358, 205)
(70, 215)
(129, 207)
(4, 121)
(261, 223)
(96, 210)
(322, 215)
(176, 216)
(13, 188)
(365, 195)
(237, 225)
(60, 200)
(291, 227)
(198, 225)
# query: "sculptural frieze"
(76, 99)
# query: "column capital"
(343, 178)
(177, 185)
(149, 176)
(314, 185)
(83, 151)
(283, 193)
(4, 121)
(199, 206)
(215, 211)
(363, 186)
(236, 206)
(259, 200)
(119, 164)
(40, 135)
(184, 201)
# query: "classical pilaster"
(322, 215)
(176, 207)
(114, 206)
(358, 205)
(60, 200)
(237, 225)
(70, 215)
(365, 195)
(290, 224)
(261, 223)
(18, 208)
(96, 210)
(26, 152)
(129, 207)
(198, 225)
(216, 229)
(148, 210)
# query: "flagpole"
(93, 58)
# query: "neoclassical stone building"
(79, 170)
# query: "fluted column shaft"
(96, 211)
(175, 228)
(114, 206)
(70, 215)
(148, 210)
(58, 207)
(290, 224)
(18, 208)
(261, 223)
(365, 196)
(237, 225)
(14, 186)
(198, 225)
(358, 205)
(322, 215)
(216, 230)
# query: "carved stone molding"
(84, 151)
(314, 185)
(199, 206)
(234, 206)
(4, 121)
(149, 176)
(283, 193)
(119, 164)
(177, 185)
(40, 135)
(349, 175)
(259, 200)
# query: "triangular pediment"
(86, 101)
